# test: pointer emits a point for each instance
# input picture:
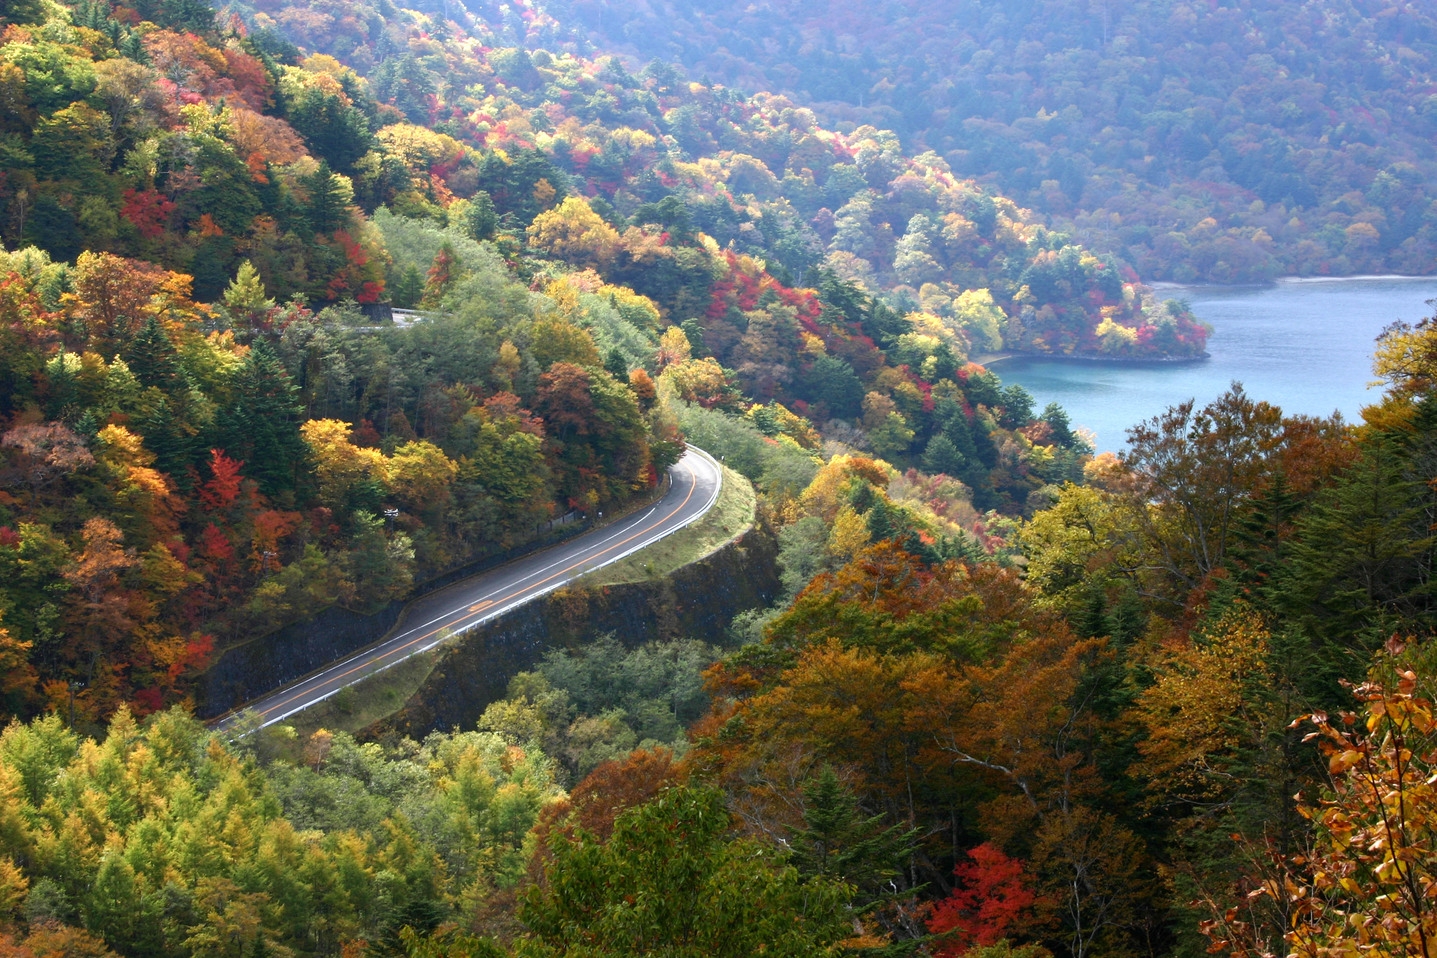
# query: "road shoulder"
(379, 695)
(732, 515)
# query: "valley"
(1068, 589)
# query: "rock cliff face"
(245, 672)
(250, 669)
(697, 601)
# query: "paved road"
(694, 489)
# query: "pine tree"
(1092, 619)
(261, 424)
(1128, 620)
(153, 359)
(941, 455)
(695, 334)
(1362, 562)
(616, 365)
(838, 842)
(670, 881)
(481, 221)
(246, 294)
(407, 289)
(328, 206)
(169, 437)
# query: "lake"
(1304, 345)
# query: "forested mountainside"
(199, 154)
(1138, 744)
(207, 437)
(1221, 141)
(1016, 700)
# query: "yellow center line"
(480, 605)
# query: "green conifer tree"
(481, 220)
(260, 426)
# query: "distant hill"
(1223, 141)
(757, 174)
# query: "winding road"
(692, 492)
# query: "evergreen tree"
(168, 436)
(1017, 405)
(64, 388)
(1057, 419)
(22, 11)
(336, 134)
(833, 382)
(838, 842)
(1362, 565)
(695, 334)
(941, 455)
(1128, 621)
(1092, 619)
(153, 359)
(246, 294)
(881, 524)
(193, 16)
(407, 289)
(616, 365)
(670, 881)
(261, 424)
(1262, 541)
(481, 221)
(328, 206)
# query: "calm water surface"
(1304, 345)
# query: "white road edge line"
(624, 526)
(500, 609)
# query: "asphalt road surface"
(438, 617)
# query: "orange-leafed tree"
(846, 707)
(643, 387)
(443, 273)
(19, 681)
(222, 489)
(27, 331)
(114, 296)
(1364, 884)
(608, 791)
(270, 139)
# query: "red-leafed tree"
(223, 488)
(214, 559)
(991, 898)
(360, 276)
(148, 211)
(442, 274)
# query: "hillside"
(199, 155)
(1011, 699)
(211, 429)
(1223, 142)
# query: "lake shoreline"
(990, 359)
(1162, 285)
(1305, 347)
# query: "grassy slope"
(730, 516)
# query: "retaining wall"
(246, 671)
(698, 601)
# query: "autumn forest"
(310, 306)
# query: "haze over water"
(1305, 345)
